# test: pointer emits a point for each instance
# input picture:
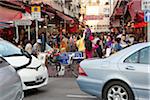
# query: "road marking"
(80, 96)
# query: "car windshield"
(8, 49)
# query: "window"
(107, 3)
(144, 56)
(133, 58)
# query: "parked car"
(10, 83)
(124, 75)
(33, 73)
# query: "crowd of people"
(90, 44)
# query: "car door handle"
(130, 68)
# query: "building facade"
(96, 14)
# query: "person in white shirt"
(37, 47)
(28, 47)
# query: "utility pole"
(123, 17)
(110, 13)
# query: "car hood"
(18, 61)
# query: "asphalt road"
(58, 89)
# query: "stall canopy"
(65, 17)
(141, 24)
(134, 8)
(9, 14)
(4, 25)
(48, 13)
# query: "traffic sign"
(36, 12)
(22, 22)
(145, 4)
(35, 9)
(147, 16)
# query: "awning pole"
(17, 35)
(28, 32)
(65, 24)
(148, 32)
(36, 21)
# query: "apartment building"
(96, 14)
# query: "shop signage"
(36, 12)
(23, 22)
(147, 16)
(94, 17)
(145, 4)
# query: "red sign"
(93, 17)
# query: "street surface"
(58, 89)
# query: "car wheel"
(117, 90)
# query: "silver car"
(123, 76)
(10, 83)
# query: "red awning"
(64, 17)
(15, 2)
(48, 13)
(134, 8)
(9, 14)
(139, 25)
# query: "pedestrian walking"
(37, 47)
(28, 47)
(99, 50)
(87, 32)
(116, 46)
(88, 49)
(80, 43)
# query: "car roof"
(125, 51)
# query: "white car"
(34, 74)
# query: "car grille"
(33, 83)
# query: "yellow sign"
(35, 9)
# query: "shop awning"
(134, 8)
(64, 17)
(48, 13)
(9, 14)
(139, 25)
(4, 25)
